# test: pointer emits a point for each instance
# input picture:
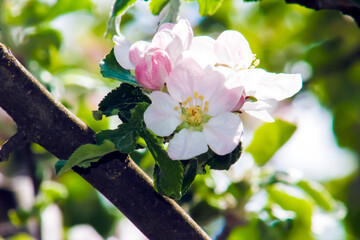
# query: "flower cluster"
(200, 86)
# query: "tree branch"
(48, 123)
(348, 7)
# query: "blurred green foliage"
(65, 59)
(268, 139)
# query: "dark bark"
(43, 120)
(348, 7)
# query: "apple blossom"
(198, 110)
(153, 61)
(233, 53)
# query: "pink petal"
(153, 70)
(137, 51)
(223, 133)
(169, 42)
(187, 144)
(182, 78)
(161, 117)
(121, 52)
(188, 77)
(232, 49)
(241, 101)
(222, 92)
(166, 26)
(162, 39)
(174, 38)
(184, 31)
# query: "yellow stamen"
(193, 115)
(206, 107)
(196, 94)
(251, 67)
(201, 97)
(257, 62)
(176, 108)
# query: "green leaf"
(161, 183)
(168, 179)
(122, 100)
(268, 139)
(51, 191)
(39, 13)
(86, 154)
(190, 170)
(19, 217)
(289, 199)
(209, 7)
(124, 137)
(224, 162)
(321, 196)
(157, 5)
(110, 68)
(119, 8)
(59, 165)
(44, 42)
(247, 231)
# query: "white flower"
(231, 54)
(198, 109)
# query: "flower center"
(193, 110)
(193, 115)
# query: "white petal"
(161, 117)
(256, 106)
(121, 52)
(262, 115)
(279, 86)
(187, 144)
(232, 49)
(203, 47)
(223, 133)
(271, 85)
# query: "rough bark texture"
(43, 120)
(348, 7)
